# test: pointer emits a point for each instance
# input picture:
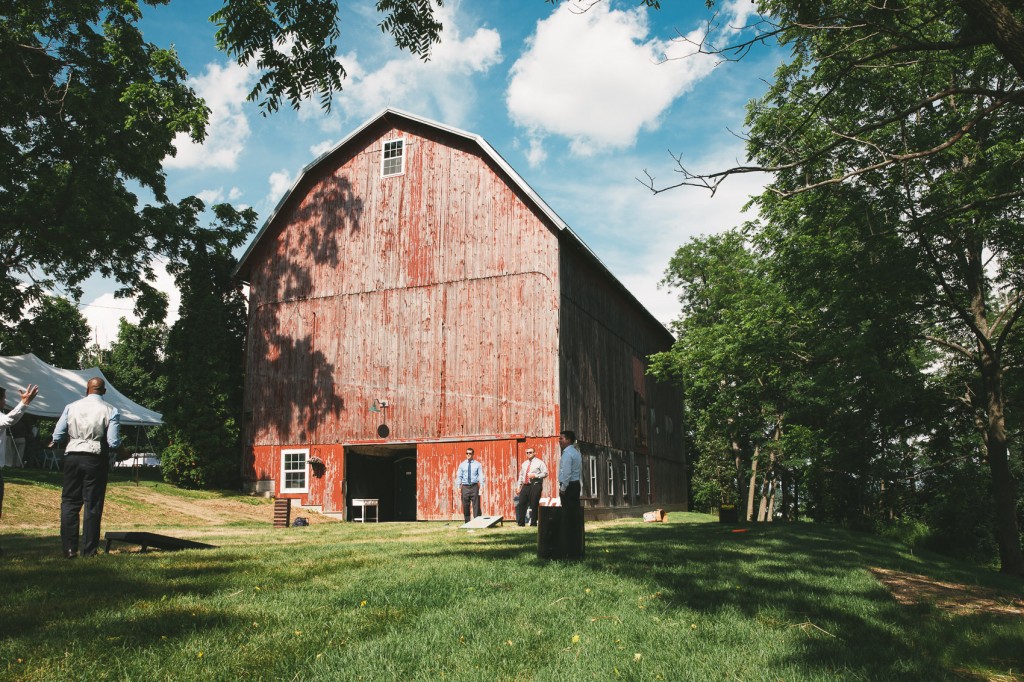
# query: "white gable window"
(294, 471)
(392, 160)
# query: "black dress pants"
(85, 485)
(571, 495)
(529, 498)
(471, 498)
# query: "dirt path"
(910, 588)
(30, 507)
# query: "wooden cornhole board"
(484, 522)
(148, 540)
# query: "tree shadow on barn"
(291, 378)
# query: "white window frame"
(285, 470)
(593, 476)
(636, 480)
(384, 158)
(611, 478)
(650, 494)
(625, 481)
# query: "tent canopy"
(58, 387)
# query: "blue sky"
(577, 97)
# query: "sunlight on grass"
(682, 600)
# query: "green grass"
(685, 600)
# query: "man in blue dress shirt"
(570, 470)
(470, 477)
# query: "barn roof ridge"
(490, 151)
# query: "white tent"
(58, 387)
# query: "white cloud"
(536, 155)
(442, 87)
(224, 88)
(280, 182)
(597, 78)
(235, 194)
(104, 312)
(212, 196)
(322, 147)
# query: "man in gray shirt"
(92, 428)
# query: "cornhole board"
(148, 540)
(484, 522)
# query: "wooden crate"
(282, 513)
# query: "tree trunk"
(753, 484)
(1007, 532)
(997, 23)
(740, 475)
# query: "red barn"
(411, 296)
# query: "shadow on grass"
(797, 576)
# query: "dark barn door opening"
(384, 473)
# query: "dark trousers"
(571, 496)
(529, 498)
(471, 496)
(85, 484)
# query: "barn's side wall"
(621, 416)
(435, 290)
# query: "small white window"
(392, 161)
(650, 493)
(593, 476)
(611, 477)
(625, 481)
(636, 480)
(294, 471)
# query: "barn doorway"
(385, 473)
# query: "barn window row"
(618, 485)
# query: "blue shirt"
(469, 472)
(570, 467)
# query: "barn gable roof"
(517, 180)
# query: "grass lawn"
(685, 600)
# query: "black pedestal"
(560, 533)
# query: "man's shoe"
(70, 554)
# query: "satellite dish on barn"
(383, 430)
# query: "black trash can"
(727, 514)
(560, 533)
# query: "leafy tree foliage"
(202, 401)
(293, 43)
(135, 362)
(88, 107)
(91, 109)
(54, 330)
(893, 133)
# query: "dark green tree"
(134, 363)
(839, 135)
(54, 330)
(90, 110)
(202, 401)
(739, 346)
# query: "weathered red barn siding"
(325, 490)
(435, 290)
(438, 463)
(454, 294)
(605, 341)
